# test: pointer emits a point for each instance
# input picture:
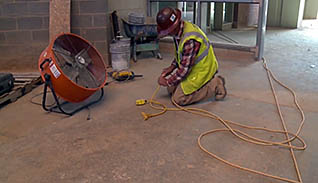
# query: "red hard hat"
(167, 20)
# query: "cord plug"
(140, 102)
(146, 116)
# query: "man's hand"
(162, 81)
(167, 71)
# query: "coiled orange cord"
(242, 135)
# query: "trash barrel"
(120, 54)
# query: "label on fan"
(56, 73)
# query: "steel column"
(262, 18)
(199, 13)
(194, 12)
(148, 8)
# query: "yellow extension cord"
(244, 136)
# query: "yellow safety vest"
(206, 64)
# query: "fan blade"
(60, 50)
(71, 72)
(67, 56)
(81, 52)
(84, 54)
(86, 78)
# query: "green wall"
(290, 13)
(285, 13)
(311, 9)
(274, 13)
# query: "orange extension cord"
(244, 136)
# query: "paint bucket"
(120, 54)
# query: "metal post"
(148, 8)
(199, 14)
(194, 12)
(229, 9)
(218, 16)
(262, 17)
(208, 20)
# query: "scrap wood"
(23, 84)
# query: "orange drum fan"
(74, 70)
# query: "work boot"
(171, 90)
(220, 90)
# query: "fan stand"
(59, 105)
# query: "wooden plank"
(4, 95)
(37, 81)
(20, 89)
(32, 77)
(15, 95)
(19, 84)
(8, 97)
(22, 80)
(26, 74)
(60, 17)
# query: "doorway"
(310, 19)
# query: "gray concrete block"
(75, 7)
(100, 20)
(98, 34)
(128, 5)
(15, 9)
(101, 47)
(97, 6)
(107, 60)
(23, 57)
(18, 36)
(39, 8)
(29, 23)
(76, 31)
(46, 21)
(40, 36)
(2, 37)
(81, 21)
(8, 24)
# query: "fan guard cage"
(76, 69)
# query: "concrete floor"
(116, 145)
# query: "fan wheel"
(76, 68)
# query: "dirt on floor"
(117, 145)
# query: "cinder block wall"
(23, 32)
(24, 21)
(90, 19)
(24, 29)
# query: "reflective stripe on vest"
(207, 43)
(205, 63)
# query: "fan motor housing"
(83, 56)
